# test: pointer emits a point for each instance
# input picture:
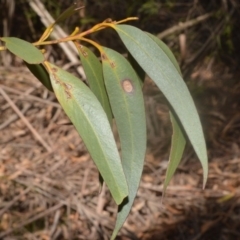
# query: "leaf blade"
(94, 73)
(39, 71)
(176, 152)
(126, 99)
(90, 120)
(64, 15)
(151, 58)
(23, 49)
(178, 141)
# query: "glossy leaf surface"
(94, 73)
(162, 71)
(90, 120)
(126, 99)
(24, 50)
(39, 71)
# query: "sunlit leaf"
(39, 71)
(126, 99)
(94, 73)
(90, 120)
(161, 70)
(178, 139)
(24, 50)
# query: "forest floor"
(49, 186)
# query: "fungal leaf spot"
(104, 57)
(84, 53)
(112, 64)
(127, 85)
(68, 94)
(68, 86)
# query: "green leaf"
(94, 73)
(126, 99)
(90, 120)
(177, 148)
(67, 13)
(178, 138)
(161, 70)
(39, 71)
(24, 50)
(166, 50)
(140, 72)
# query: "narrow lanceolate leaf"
(94, 73)
(178, 138)
(90, 120)
(24, 50)
(166, 50)
(177, 148)
(39, 71)
(126, 99)
(161, 70)
(140, 72)
(67, 13)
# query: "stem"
(96, 45)
(74, 36)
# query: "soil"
(49, 186)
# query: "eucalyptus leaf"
(23, 49)
(178, 138)
(126, 99)
(64, 15)
(91, 122)
(161, 70)
(94, 73)
(140, 72)
(177, 148)
(39, 71)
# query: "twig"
(14, 200)
(68, 47)
(99, 209)
(55, 222)
(27, 123)
(14, 117)
(32, 219)
(181, 26)
(30, 96)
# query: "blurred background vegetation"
(217, 35)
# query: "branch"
(181, 26)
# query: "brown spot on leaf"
(127, 85)
(54, 69)
(68, 94)
(112, 64)
(67, 86)
(84, 53)
(104, 57)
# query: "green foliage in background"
(115, 92)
